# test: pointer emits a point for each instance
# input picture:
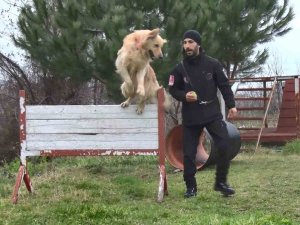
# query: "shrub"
(292, 147)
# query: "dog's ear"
(153, 33)
(165, 41)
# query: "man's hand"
(191, 96)
(232, 113)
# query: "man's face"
(190, 47)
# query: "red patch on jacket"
(171, 80)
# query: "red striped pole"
(163, 188)
(22, 173)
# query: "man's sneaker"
(190, 192)
(224, 188)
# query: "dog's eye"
(156, 45)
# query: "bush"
(9, 145)
(292, 147)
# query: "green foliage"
(11, 167)
(292, 147)
(80, 39)
(8, 139)
(234, 28)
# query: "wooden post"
(22, 124)
(22, 173)
(163, 188)
(297, 103)
(265, 101)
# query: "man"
(194, 82)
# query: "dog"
(139, 49)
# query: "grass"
(122, 190)
(292, 147)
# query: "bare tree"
(275, 64)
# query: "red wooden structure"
(94, 131)
(288, 126)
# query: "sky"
(286, 48)
(284, 51)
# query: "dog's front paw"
(125, 104)
(140, 91)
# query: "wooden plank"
(251, 98)
(88, 112)
(98, 152)
(57, 145)
(89, 126)
(289, 96)
(87, 130)
(246, 118)
(93, 137)
(275, 134)
(288, 104)
(271, 137)
(267, 79)
(248, 128)
(95, 123)
(287, 122)
(250, 108)
(254, 89)
(287, 113)
(286, 129)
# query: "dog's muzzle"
(152, 56)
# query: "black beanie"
(194, 35)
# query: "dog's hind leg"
(141, 105)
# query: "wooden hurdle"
(90, 130)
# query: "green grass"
(122, 190)
(292, 147)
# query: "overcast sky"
(285, 49)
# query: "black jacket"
(206, 76)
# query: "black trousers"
(219, 133)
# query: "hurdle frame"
(23, 174)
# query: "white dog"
(133, 64)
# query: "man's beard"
(190, 55)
